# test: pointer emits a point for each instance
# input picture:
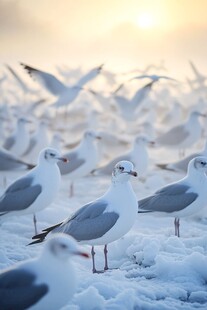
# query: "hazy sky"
(120, 33)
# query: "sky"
(120, 33)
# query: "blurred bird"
(138, 155)
(83, 159)
(18, 142)
(182, 136)
(182, 165)
(128, 107)
(46, 282)
(65, 94)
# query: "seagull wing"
(18, 289)
(92, 221)
(171, 198)
(49, 81)
(12, 199)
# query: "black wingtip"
(29, 69)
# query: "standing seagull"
(83, 159)
(46, 282)
(106, 219)
(182, 165)
(36, 190)
(18, 142)
(183, 198)
(138, 155)
(184, 135)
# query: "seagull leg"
(106, 258)
(35, 223)
(177, 227)
(175, 224)
(71, 189)
(93, 259)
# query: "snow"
(151, 268)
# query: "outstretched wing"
(48, 80)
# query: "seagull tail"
(144, 211)
(41, 237)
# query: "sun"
(145, 20)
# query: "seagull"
(138, 155)
(184, 135)
(65, 95)
(45, 282)
(38, 141)
(128, 107)
(182, 165)
(18, 141)
(36, 190)
(183, 198)
(104, 220)
(9, 162)
(153, 77)
(83, 159)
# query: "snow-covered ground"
(153, 269)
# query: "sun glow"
(146, 20)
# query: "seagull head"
(62, 247)
(51, 155)
(143, 140)
(91, 135)
(123, 170)
(198, 164)
(197, 114)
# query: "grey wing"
(89, 222)
(183, 164)
(19, 195)
(18, 290)
(174, 136)
(121, 100)
(9, 162)
(141, 93)
(48, 80)
(169, 199)
(74, 163)
(9, 142)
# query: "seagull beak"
(64, 159)
(132, 172)
(83, 254)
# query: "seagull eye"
(52, 154)
(121, 168)
(203, 163)
(63, 246)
